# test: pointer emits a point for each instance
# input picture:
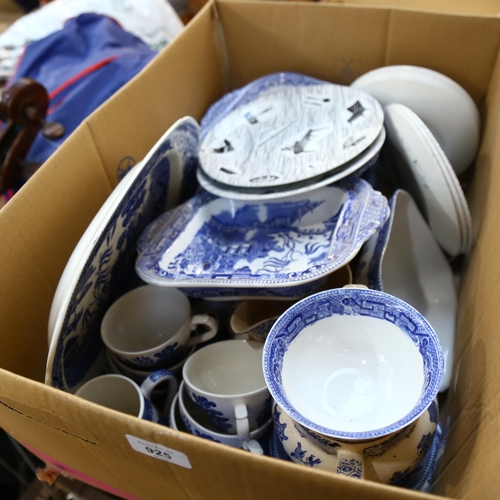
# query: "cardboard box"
(227, 45)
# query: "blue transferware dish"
(100, 269)
(212, 247)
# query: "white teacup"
(226, 381)
(353, 364)
(152, 326)
(122, 394)
(198, 424)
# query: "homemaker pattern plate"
(102, 270)
(289, 134)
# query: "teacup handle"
(350, 464)
(157, 378)
(242, 424)
(253, 447)
(206, 320)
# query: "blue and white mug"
(353, 364)
(196, 422)
(225, 380)
(153, 327)
(122, 394)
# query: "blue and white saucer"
(215, 247)
(101, 268)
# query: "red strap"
(81, 74)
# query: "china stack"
(286, 134)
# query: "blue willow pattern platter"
(104, 269)
(353, 302)
(217, 247)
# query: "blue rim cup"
(352, 364)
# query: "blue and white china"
(387, 459)
(239, 97)
(114, 365)
(151, 327)
(419, 479)
(445, 106)
(290, 134)
(357, 166)
(122, 394)
(419, 165)
(101, 269)
(404, 259)
(219, 248)
(197, 423)
(222, 377)
(353, 363)
(252, 319)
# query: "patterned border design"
(353, 302)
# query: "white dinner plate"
(444, 106)
(420, 167)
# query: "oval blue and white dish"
(102, 263)
(216, 247)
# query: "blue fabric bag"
(80, 66)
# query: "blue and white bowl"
(353, 363)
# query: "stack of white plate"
(433, 131)
(286, 134)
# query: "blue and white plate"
(215, 247)
(102, 268)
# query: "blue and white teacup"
(122, 394)
(225, 380)
(153, 327)
(353, 364)
(197, 423)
